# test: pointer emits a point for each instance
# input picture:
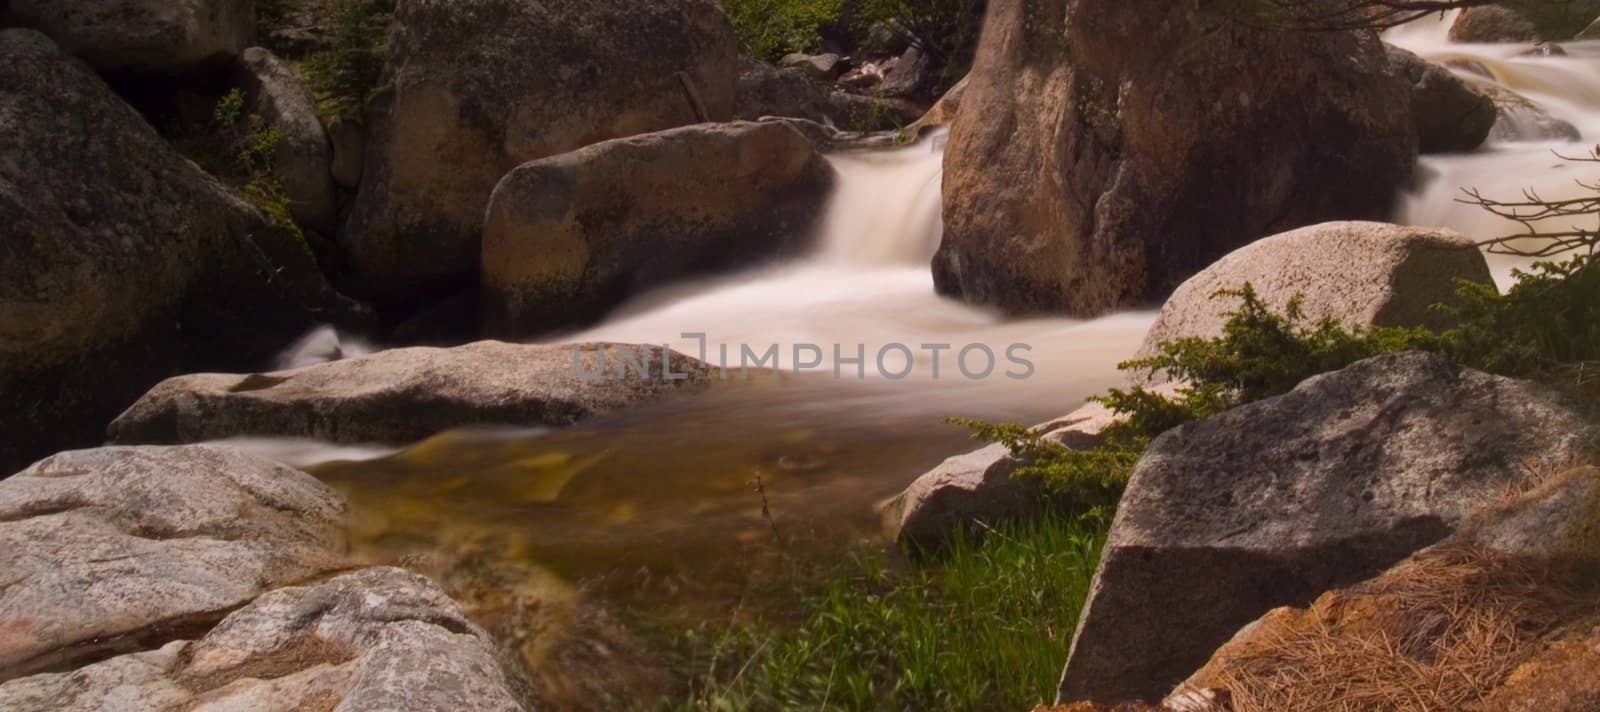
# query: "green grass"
(984, 624)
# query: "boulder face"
(1087, 172)
(1357, 272)
(119, 251)
(765, 90)
(406, 395)
(1275, 502)
(1525, 21)
(1451, 115)
(106, 550)
(569, 237)
(375, 639)
(1509, 570)
(143, 35)
(303, 159)
(483, 86)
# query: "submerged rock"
(1275, 502)
(375, 639)
(569, 237)
(405, 395)
(1525, 21)
(1450, 113)
(1088, 172)
(303, 158)
(1522, 119)
(482, 86)
(143, 35)
(122, 263)
(119, 548)
(1360, 273)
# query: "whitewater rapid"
(1565, 86)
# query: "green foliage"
(272, 15)
(347, 74)
(1549, 318)
(984, 624)
(229, 109)
(770, 29)
(945, 29)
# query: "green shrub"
(346, 75)
(770, 29)
(229, 109)
(1550, 317)
(272, 15)
(984, 624)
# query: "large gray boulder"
(406, 395)
(482, 86)
(1360, 273)
(375, 639)
(114, 549)
(121, 263)
(1451, 115)
(1088, 172)
(143, 35)
(1275, 502)
(569, 237)
(303, 158)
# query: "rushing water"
(1525, 153)
(678, 503)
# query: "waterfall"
(867, 283)
(1561, 117)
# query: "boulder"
(121, 263)
(978, 487)
(1525, 21)
(859, 112)
(483, 86)
(569, 237)
(1509, 571)
(911, 77)
(1094, 173)
(1360, 273)
(1272, 503)
(374, 639)
(406, 395)
(765, 90)
(1450, 114)
(1522, 119)
(144, 35)
(119, 548)
(303, 158)
(824, 67)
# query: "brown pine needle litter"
(1440, 632)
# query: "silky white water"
(1523, 155)
(867, 285)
